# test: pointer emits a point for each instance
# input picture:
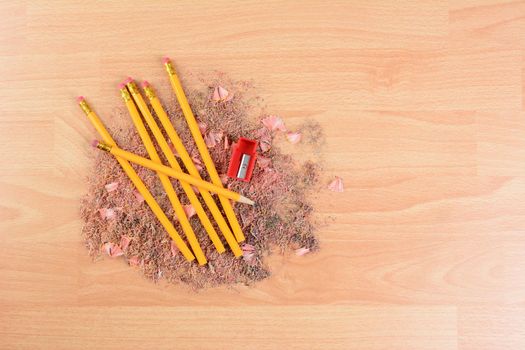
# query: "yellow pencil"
(203, 150)
(161, 141)
(135, 179)
(166, 183)
(188, 163)
(147, 163)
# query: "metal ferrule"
(125, 94)
(150, 93)
(104, 147)
(133, 88)
(85, 107)
(243, 167)
(169, 68)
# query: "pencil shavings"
(111, 186)
(248, 252)
(216, 95)
(107, 213)
(302, 251)
(220, 94)
(189, 210)
(173, 150)
(173, 249)
(113, 250)
(107, 247)
(124, 242)
(263, 162)
(247, 248)
(262, 132)
(336, 185)
(213, 138)
(265, 145)
(197, 162)
(210, 141)
(248, 257)
(217, 136)
(138, 196)
(293, 137)
(134, 261)
(224, 178)
(273, 123)
(202, 127)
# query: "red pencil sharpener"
(243, 159)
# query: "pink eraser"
(145, 83)
(94, 143)
(165, 59)
(128, 80)
(80, 99)
(122, 86)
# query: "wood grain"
(421, 103)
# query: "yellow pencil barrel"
(172, 161)
(147, 163)
(137, 182)
(165, 181)
(188, 163)
(201, 146)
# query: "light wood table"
(421, 103)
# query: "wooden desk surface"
(422, 106)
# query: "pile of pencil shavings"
(120, 224)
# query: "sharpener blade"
(243, 167)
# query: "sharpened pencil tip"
(245, 200)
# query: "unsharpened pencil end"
(245, 200)
(94, 143)
(145, 84)
(165, 59)
(80, 99)
(128, 80)
(122, 86)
